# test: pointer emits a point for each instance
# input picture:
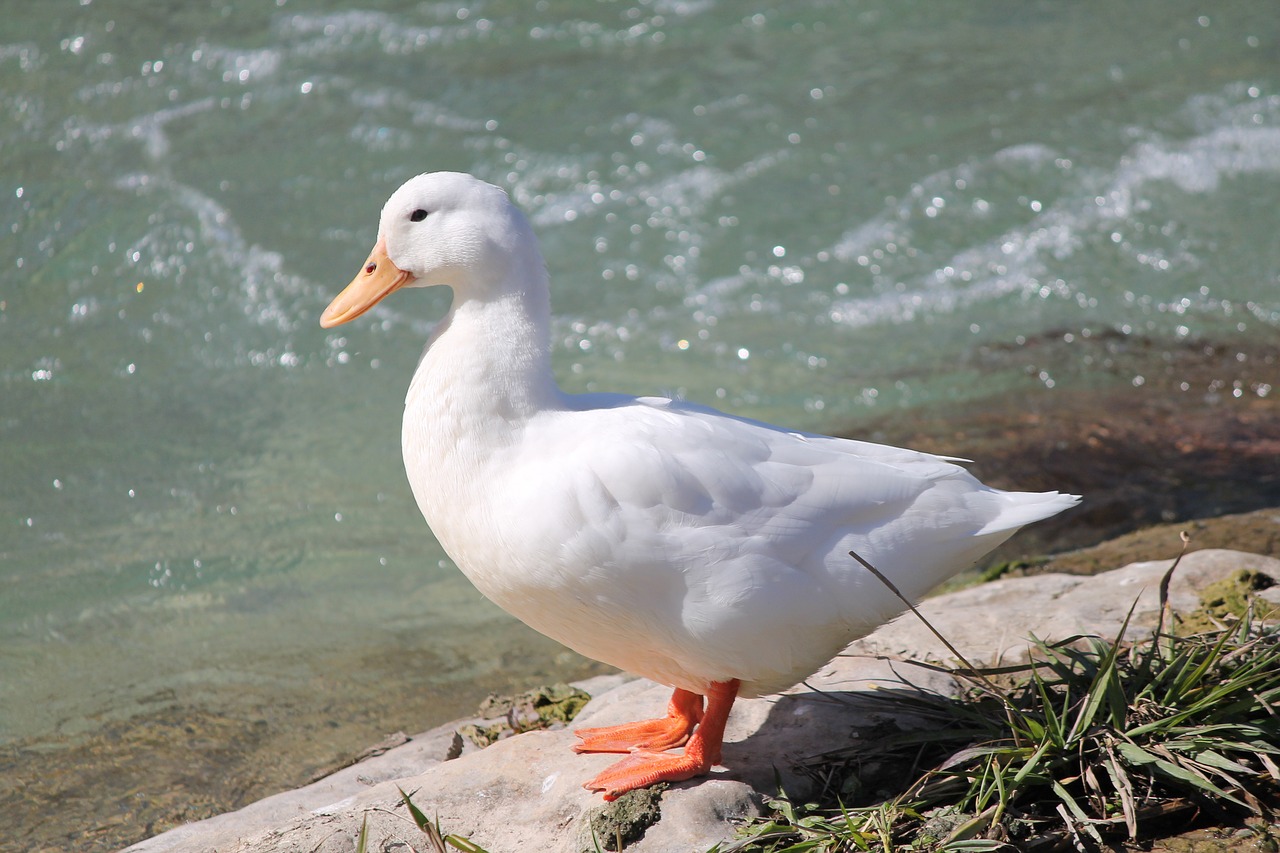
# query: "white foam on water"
(1028, 260)
(337, 33)
(241, 278)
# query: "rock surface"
(524, 793)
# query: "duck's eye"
(418, 215)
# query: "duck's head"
(439, 228)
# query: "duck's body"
(704, 551)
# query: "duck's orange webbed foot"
(646, 767)
(683, 713)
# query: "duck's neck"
(486, 371)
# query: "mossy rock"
(540, 708)
(1227, 600)
(622, 821)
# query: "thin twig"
(971, 669)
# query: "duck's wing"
(689, 468)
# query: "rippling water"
(811, 213)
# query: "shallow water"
(814, 214)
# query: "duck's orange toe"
(642, 769)
(652, 735)
(683, 714)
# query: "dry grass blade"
(970, 670)
(915, 611)
(1164, 582)
(1123, 787)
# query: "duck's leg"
(684, 711)
(643, 768)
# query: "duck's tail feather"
(1023, 508)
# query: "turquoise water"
(810, 213)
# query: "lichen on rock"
(1227, 600)
(546, 707)
(615, 825)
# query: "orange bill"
(378, 278)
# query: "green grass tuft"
(1093, 741)
(438, 841)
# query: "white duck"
(704, 551)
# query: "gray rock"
(525, 792)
